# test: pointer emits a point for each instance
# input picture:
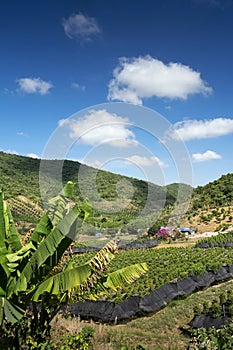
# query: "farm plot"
(164, 265)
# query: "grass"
(161, 331)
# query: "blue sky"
(171, 57)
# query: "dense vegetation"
(222, 239)
(20, 179)
(19, 176)
(220, 308)
(164, 265)
(31, 290)
(216, 339)
(218, 193)
(211, 207)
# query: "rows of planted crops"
(220, 238)
(164, 265)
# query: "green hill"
(218, 193)
(211, 207)
(19, 175)
(19, 178)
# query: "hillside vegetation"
(211, 205)
(19, 178)
(211, 208)
(218, 193)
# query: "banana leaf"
(63, 281)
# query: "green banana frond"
(1, 309)
(43, 228)
(51, 249)
(99, 284)
(14, 259)
(9, 236)
(81, 278)
(102, 285)
(10, 311)
(58, 208)
(99, 262)
(126, 275)
(59, 205)
(12, 234)
(4, 271)
(2, 221)
(68, 189)
(63, 281)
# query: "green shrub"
(81, 341)
(212, 339)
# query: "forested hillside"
(19, 178)
(218, 193)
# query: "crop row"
(164, 265)
(221, 238)
(23, 209)
(219, 306)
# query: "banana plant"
(28, 285)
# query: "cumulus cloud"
(146, 161)
(82, 27)
(33, 155)
(144, 77)
(100, 126)
(202, 129)
(205, 157)
(34, 85)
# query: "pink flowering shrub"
(163, 233)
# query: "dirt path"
(176, 245)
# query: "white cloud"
(205, 157)
(32, 155)
(146, 161)
(21, 133)
(144, 77)
(100, 126)
(80, 26)
(78, 86)
(8, 92)
(202, 129)
(13, 151)
(9, 151)
(95, 163)
(34, 85)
